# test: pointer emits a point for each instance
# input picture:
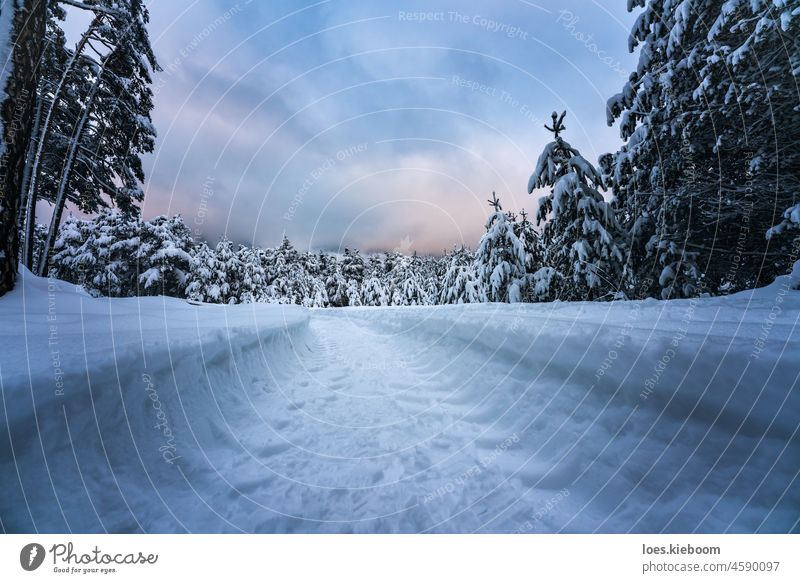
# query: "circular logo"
(31, 556)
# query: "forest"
(701, 199)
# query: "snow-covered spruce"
(584, 243)
(460, 284)
(699, 115)
(500, 259)
(105, 91)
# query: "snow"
(151, 414)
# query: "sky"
(368, 124)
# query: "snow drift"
(154, 415)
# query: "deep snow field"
(154, 415)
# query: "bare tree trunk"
(16, 112)
(27, 208)
(61, 195)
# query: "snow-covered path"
(372, 428)
(635, 416)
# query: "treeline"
(703, 196)
(119, 255)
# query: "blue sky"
(376, 125)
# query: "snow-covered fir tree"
(375, 267)
(699, 118)
(460, 282)
(352, 265)
(500, 259)
(68, 257)
(353, 293)
(336, 287)
(100, 253)
(215, 274)
(253, 282)
(373, 292)
(111, 74)
(163, 256)
(583, 240)
(286, 274)
(404, 287)
(317, 293)
(431, 273)
(531, 242)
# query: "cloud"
(444, 111)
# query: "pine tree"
(71, 238)
(404, 287)
(163, 256)
(352, 265)
(289, 280)
(114, 127)
(531, 242)
(336, 288)
(373, 293)
(317, 295)
(431, 275)
(202, 270)
(353, 293)
(54, 60)
(375, 267)
(699, 116)
(460, 282)
(583, 240)
(253, 284)
(215, 274)
(100, 254)
(500, 259)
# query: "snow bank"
(154, 415)
(731, 357)
(113, 381)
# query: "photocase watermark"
(569, 21)
(32, 556)
(658, 369)
(206, 194)
(475, 469)
(66, 560)
(489, 24)
(317, 173)
(421, 16)
(634, 313)
(744, 228)
(168, 449)
(94, 561)
(198, 39)
(543, 511)
(760, 343)
(501, 95)
(12, 129)
(52, 337)
(404, 246)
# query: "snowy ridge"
(122, 329)
(573, 340)
(495, 418)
